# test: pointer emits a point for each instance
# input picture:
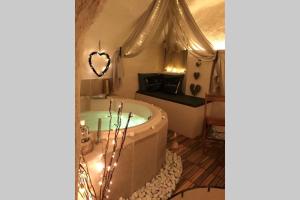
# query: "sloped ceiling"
(209, 15)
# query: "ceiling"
(209, 15)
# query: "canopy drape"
(217, 79)
(171, 19)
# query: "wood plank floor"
(200, 168)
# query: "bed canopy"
(170, 21)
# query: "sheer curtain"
(217, 80)
(173, 19)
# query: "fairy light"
(104, 164)
(99, 166)
(85, 187)
(82, 122)
(173, 69)
(81, 190)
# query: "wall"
(204, 78)
(210, 17)
(216, 109)
(112, 26)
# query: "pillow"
(150, 82)
(172, 84)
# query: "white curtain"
(173, 19)
(217, 81)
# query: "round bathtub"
(143, 154)
(145, 115)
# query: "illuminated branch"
(86, 190)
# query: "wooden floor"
(200, 168)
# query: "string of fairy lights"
(108, 160)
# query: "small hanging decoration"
(196, 75)
(99, 53)
(96, 53)
(198, 63)
(195, 89)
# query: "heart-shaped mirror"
(99, 62)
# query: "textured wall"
(112, 25)
(210, 17)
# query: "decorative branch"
(87, 190)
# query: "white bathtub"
(149, 112)
(144, 150)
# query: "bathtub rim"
(157, 114)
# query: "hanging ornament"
(196, 75)
(198, 63)
(104, 69)
(195, 89)
(99, 53)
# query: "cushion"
(181, 99)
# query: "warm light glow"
(99, 166)
(113, 142)
(115, 164)
(219, 44)
(82, 122)
(175, 69)
(81, 190)
(100, 182)
(196, 47)
(108, 168)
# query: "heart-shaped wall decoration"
(198, 63)
(103, 71)
(196, 75)
(195, 89)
